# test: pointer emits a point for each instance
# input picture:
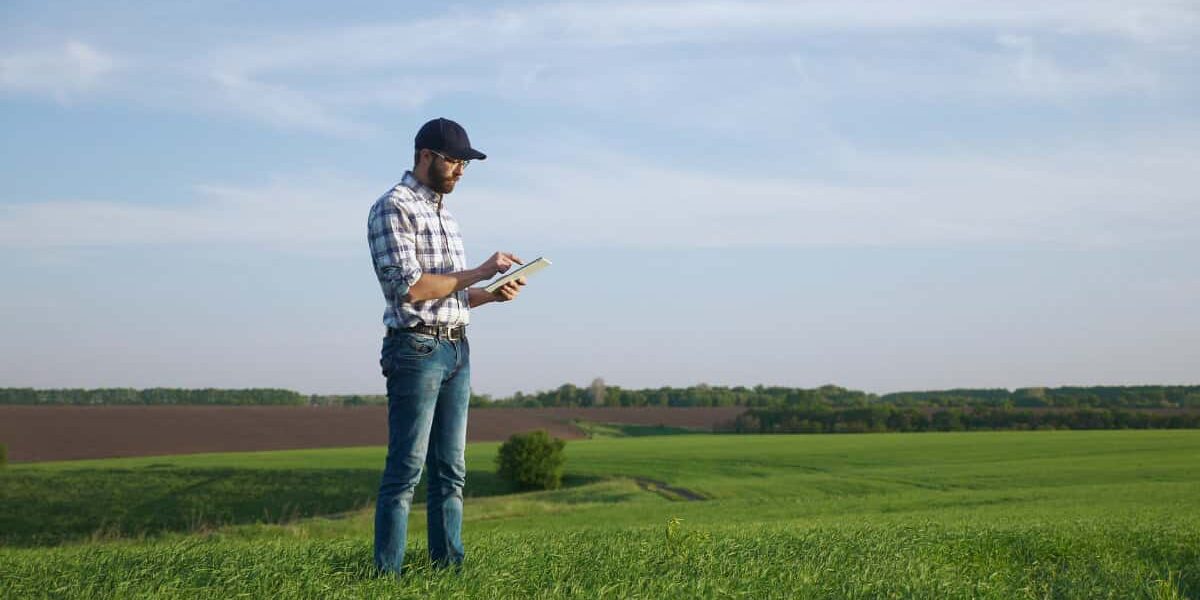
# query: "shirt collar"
(422, 191)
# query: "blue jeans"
(429, 388)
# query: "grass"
(53, 503)
(912, 560)
(106, 503)
(616, 430)
(1106, 514)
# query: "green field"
(1102, 514)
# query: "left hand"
(509, 291)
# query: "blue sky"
(885, 196)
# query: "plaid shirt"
(410, 233)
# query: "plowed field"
(42, 433)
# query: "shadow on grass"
(45, 508)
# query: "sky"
(879, 195)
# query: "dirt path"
(667, 491)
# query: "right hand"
(498, 263)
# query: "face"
(443, 174)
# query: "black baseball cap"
(447, 137)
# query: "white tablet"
(525, 270)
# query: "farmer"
(419, 260)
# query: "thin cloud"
(587, 25)
(1011, 67)
(285, 107)
(62, 72)
(299, 213)
(1080, 195)
(623, 23)
(636, 56)
(593, 56)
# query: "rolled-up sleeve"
(392, 236)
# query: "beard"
(440, 182)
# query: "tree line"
(600, 394)
(884, 418)
(153, 396)
(1140, 396)
(832, 396)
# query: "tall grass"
(916, 560)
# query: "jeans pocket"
(414, 346)
(405, 348)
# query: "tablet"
(526, 270)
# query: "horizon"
(697, 385)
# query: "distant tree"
(596, 395)
(747, 423)
(664, 399)
(1191, 400)
(612, 396)
(948, 420)
(567, 394)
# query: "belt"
(448, 333)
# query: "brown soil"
(43, 433)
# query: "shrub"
(3, 455)
(532, 460)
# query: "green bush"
(532, 460)
(3, 455)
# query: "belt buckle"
(443, 332)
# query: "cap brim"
(468, 154)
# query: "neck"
(421, 175)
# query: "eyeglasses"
(454, 162)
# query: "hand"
(498, 263)
(509, 290)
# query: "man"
(421, 266)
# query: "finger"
(516, 259)
(519, 281)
